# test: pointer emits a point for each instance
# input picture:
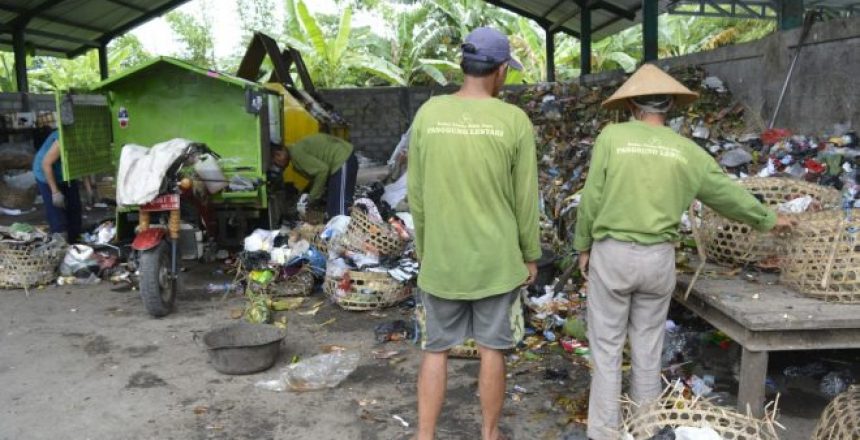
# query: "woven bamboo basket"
(367, 291)
(841, 418)
(24, 265)
(15, 198)
(822, 259)
(675, 410)
(467, 350)
(365, 235)
(731, 243)
(299, 284)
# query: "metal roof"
(131, 74)
(607, 16)
(67, 28)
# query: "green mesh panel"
(86, 141)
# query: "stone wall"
(380, 115)
(824, 90)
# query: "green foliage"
(195, 35)
(50, 74)
(336, 57)
(417, 42)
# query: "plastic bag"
(703, 433)
(835, 382)
(316, 373)
(78, 260)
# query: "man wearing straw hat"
(642, 177)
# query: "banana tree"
(83, 72)
(335, 60)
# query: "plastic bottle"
(213, 288)
(209, 170)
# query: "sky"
(157, 37)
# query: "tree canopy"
(415, 42)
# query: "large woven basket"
(24, 265)
(841, 418)
(16, 198)
(675, 410)
(365, 235)
(367, 291)
(822, 259)
(730, 243)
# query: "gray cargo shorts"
(494, 322)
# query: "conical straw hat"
(650, 80)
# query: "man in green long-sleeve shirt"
(643, 176)
(474, 199)
(328, 161)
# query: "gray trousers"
(629, 290)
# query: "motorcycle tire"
(157, 287)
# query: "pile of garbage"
(356, 269)
(567, 118)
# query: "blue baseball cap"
(490, 46)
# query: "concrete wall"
(824, 90)
(380, 115)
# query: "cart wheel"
(157, 288)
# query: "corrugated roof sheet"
(67, 28)
(607, 16)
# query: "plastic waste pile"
(567, 118)
(295, 260)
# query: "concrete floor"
(86, 362)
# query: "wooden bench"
(763, 316)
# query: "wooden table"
(763, 316)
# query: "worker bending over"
(62, 200)
(643, 176)
(329, 163)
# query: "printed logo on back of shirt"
(465, 127)
(652, 147)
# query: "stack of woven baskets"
(368, 290)
(819, 258)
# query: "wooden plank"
(778, 340)
(763, 306)
(751, 388)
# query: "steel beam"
(614, 9)
(790, 14)
(519, 11)
(553, 8)
(650, 11)
(54, 19)
(20, 50)
(550, 55)
(103, 61)
(128, 5)
(62, 37)
(585, 42)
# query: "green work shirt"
(473, 192)
(643, 177)
(318, 156)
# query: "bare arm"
(52, 156)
